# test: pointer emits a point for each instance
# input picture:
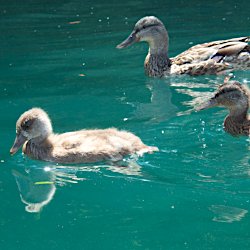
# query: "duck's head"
(231, 95)
(33, 124)
(149, 29)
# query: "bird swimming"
(235, 97)
(217, 57)
(34, 132)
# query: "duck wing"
(201, 68)
(82, 140)
(216, 50)
(217, 57)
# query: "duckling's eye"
(26, 125)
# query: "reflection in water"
(37, 186)
(131, 167)
(199, 91)
(127, 166)
(159, 107)
(227, 214)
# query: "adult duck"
(216, 57)
(34, 131)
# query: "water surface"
(61, 56)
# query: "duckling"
(216, 57)
(34, 131)
(235, 97)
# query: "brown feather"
(235, 97)
(81, 146)
(217, 57)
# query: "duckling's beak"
(209, 104)
(19, 141)
(129, 41)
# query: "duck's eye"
(26, 124)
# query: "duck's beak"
(19, 141)
(129, 41)
(209, 104)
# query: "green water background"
(193, 194)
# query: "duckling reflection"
(36, 186)
(127, 167)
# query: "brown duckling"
(215, 57)
(34, 131)
(235, 97)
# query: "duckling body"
(215, 57)
(34, 130)
(235, 97)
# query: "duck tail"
(153, 149)
(147, 149)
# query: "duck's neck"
(38, 148)
(237, 122)
(157, 62)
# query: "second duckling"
(235, 97)
(34, 131)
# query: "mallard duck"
(34, 131)
(216, 57)
(235, 97)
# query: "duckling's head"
(231, 95)
(33, 124)
(149, 29)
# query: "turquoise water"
(61, 56)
